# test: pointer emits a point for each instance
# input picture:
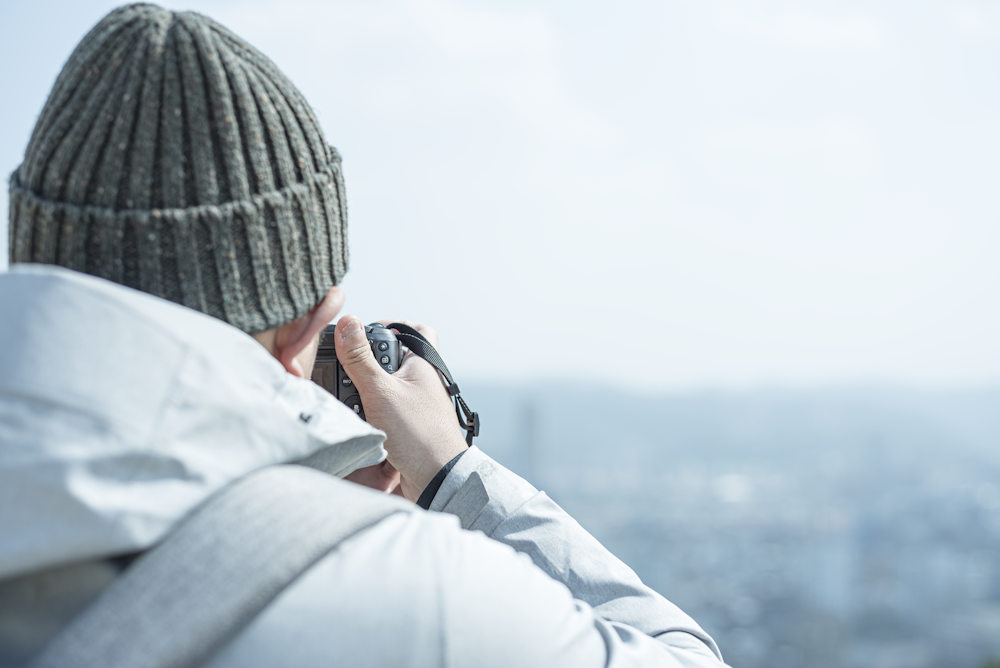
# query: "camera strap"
(421, 347)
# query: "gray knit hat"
(173, 157)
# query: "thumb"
(355, 355)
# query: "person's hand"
(383, 477)
(411, 406)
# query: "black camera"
(329, 374)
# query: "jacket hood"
(120, 412)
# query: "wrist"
(430, 492)
(431, 465)
(434, 466)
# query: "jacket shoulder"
(417, 590)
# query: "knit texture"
(174, 158)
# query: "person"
(178, 233)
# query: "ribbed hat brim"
(256, 263)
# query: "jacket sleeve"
(487, 497)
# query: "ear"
(294, 337)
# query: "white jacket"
(120, 412)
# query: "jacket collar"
(120, 412)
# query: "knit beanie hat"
(174, 158)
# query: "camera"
(329, 374)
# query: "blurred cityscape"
(837, 529)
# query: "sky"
(669, 195)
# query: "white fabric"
(120, 412)
(415, 591)
(223, 565)
(487, 497)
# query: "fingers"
(420, 370)
(382, 477)
(356, 356)
(427, 331)
(412, 406)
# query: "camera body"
(329, 374)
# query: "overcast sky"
(677, 195)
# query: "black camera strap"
(421, 347)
